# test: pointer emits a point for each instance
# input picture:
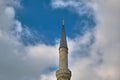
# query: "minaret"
(63, 73)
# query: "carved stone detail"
(63, 74)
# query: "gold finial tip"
(63, 21)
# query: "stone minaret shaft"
(63, 73)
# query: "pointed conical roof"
(63, 42)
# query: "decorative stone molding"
(63, 74)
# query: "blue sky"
(39, 16)
(30, 33)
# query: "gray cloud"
(103, 61)
(18, 62)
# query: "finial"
(63, 21)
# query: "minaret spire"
(63, 42)
(63, 73)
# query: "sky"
(30, 33)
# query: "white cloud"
(79, 6)
(18, 26)
(10, 12)
(45, 56)
(18, 62)
(103, 61)
(50, 76)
